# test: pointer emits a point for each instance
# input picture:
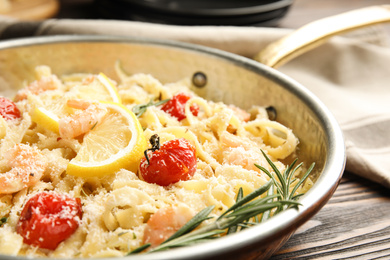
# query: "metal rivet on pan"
(271, 111)
(199, 79)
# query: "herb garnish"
(285, 181)
(94, 125)
(138, 110)
(3, 220)
(239, 215)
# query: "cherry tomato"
(174, 161)
(176, 106)
(8, 109)
(49, 218)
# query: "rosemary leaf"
(161, 102)
(303, 178)
(275, 182)
(258, 209)
(249, 197)
(247, 207)
(240, 195)
(287, 172)
(298, 196)
(139, 249)
(138, 110)
(94, 126)
(267, 214)
(277, 172)
(247, 225)
(251, 212)
(192, 224)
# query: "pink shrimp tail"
(82, 121)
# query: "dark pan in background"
(196, 12)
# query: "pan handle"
(316, 33)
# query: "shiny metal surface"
(231, 79)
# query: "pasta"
(116, 207)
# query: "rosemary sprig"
(245, 209)
(138, 110)
(284, 181)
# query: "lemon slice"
(117, 142)
(100, 88)
(46, 118)
(48, 112)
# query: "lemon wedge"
(117, 142)
(100, 88)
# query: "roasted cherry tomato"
(176, 106)
(8, 109)
(174, 161)
(49, 218)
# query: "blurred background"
(275, 13)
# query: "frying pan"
(230, 78)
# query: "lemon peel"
(110, 87)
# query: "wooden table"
(356, 221)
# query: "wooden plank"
(355, 223)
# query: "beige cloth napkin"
(351, 75)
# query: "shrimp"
(27, 167)
(239, 151)
(46, 81)
(164, 223)
(240, 113)
(83, 121)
